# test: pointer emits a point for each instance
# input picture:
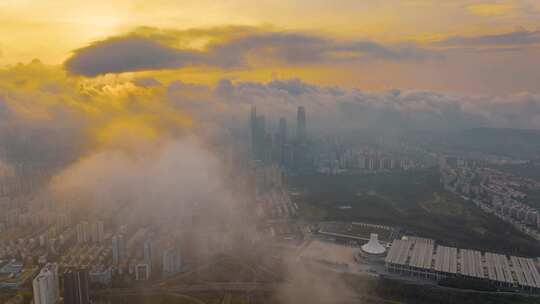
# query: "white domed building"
(373, 247)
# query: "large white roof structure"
(373, 246)
(444, 260)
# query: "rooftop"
(471, 263)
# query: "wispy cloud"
(516, 38)
(490, 9)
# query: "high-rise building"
(281, 145)
(148, 255)
(118, 249)
(260, 132)
(62, 220)
(45, 285)
(97, 233)
(142, 272)
(83, 232)
(76, 289)
(301, 125)
(172, 261)
(300, 148)
(268, 149)
(42, 240)
(115, 250)
(258, 135)
(253, 131)
(282, 133)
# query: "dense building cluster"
(22, 178)
(335, 162)
(493, 191)
(279, 147)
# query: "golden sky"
(109, 72)
(51, 30)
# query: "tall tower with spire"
(301, 125)
(253, 131)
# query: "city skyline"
(269, 152)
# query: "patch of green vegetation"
(311, 212)
(414, 200)
(148, 299)
(424, 294)
(443, 205)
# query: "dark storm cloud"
(519, 37)
(241, 48)
(125, 54)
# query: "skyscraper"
(45, 285)
(97, 232)
(253, 131)
(76, 287)
(282, 141)
(268, 148)
(172, 261)
(282, 132)
(117, 248)
(148, 254)
(259, 132)
(301, 125)
(83, 232)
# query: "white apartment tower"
(45, 285)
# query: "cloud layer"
(521, 37)
(47, 115)
(334, 108)
(226, 48)
(127, 54)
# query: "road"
(223, 287)
(187, 288)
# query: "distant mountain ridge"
(507, 141)
(502, 132)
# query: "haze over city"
(269, 152)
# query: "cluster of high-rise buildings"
(279, 146)
(296, 153)
(22, 180)
(143, 257)
(55, 243)
(46, 286)
(26, 211)
(90, 232)
(31, 231)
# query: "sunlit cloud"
(79, 114)
(490, 9)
